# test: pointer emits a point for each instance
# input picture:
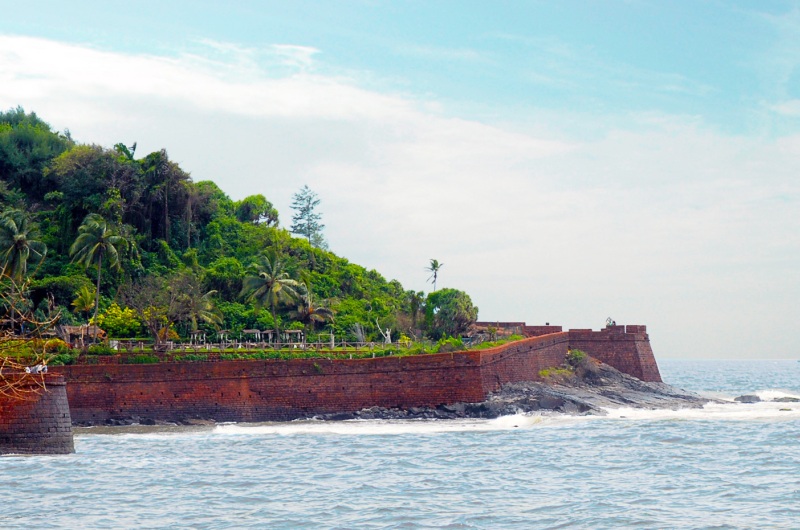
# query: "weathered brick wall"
(281, 390)
(522, 360)
(40, 423)
(535, 331)
(268, 390)
(626, 349)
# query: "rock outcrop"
(591, 389)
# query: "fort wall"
(626, 348)
(39, 422)
(265, 390)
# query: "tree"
(256, 209)
(18, 244)
(449, 312)
(190, 302)
(270, 287)
(84, 300)
(27, 145)
(415, 300)
(434, 268)
(306, 220)
(96, 240)
(151, 299)
(309, 312)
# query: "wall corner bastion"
(37, 420)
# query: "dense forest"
(90, 233)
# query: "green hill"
(187, 255)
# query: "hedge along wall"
(263, 390)
(40, 423)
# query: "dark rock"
(551, 402)
(596, 388)
(787, 400)
(341, 416)
(147, 421)
(748, 399)
(196, 421)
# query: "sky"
(567, 161)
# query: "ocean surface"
(725, 466)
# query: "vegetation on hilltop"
(135, 243)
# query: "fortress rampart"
(264, 390)
(626, 348)
(39, 422)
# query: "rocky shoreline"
(590, 389)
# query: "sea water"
(727, 465)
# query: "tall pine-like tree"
(306, 219)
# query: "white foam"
(766, 410)
(393, 427)
(731, 411)
(770, 394)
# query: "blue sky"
(567, 161)
(719, 61)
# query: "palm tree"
(84, 300)
(206, 310)
(96, 240)
(18, 244)
(189, 301)
(308, 312)
(434, 268)
(415, 300)
(270, 287)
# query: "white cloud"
(664, 223)
(788, 108)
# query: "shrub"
(577, 358)
(142, 358)
(447, 345)
(101, 349)
(65, 358)
(168, 334)
(551, 373)
(191, 357)
(118, 322)
(55, 346)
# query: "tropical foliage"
(132, 238)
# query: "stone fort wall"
(40, 423)
(265, 390)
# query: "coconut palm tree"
(415, 300)
(84, 300)
(434, 268)
(190, 303)
(308, 311)
(206, 310)
(97, 240)
(18, 244)
(270, 287)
